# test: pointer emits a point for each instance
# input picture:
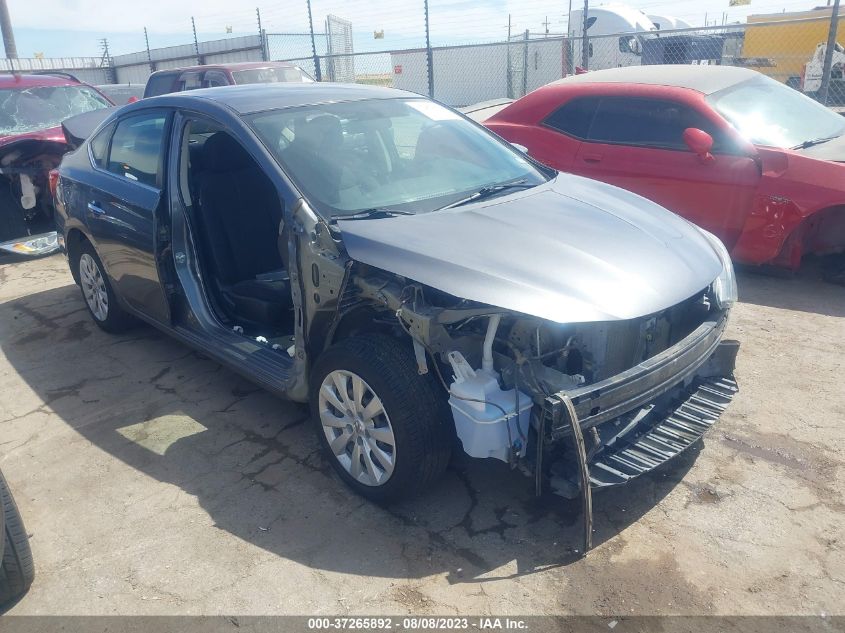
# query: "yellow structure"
(784, 42)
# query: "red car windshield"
(769, 113)
(24, 110)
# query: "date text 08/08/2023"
(410, 623)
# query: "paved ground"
(153, 481)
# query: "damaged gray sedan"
(423, 284)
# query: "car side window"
(574, 117)
(646, 122)
(190, 81)
(100, 146)
(136, 147)
(159, 84)
(214, 78)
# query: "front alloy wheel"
(357, 427)
(385, 429)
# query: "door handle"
(592, 158)
(94, 208)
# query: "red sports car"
(747, 158)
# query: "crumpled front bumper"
(650, 413)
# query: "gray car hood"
(573, 250)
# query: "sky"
(73, 28)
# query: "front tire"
(16, 567)
(98, 294)
(384, 427)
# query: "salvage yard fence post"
(262, 37)
(828, 53)
(196, 41)
(429, 57)
(317, 74)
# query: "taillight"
(54, 182)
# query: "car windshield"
(769, 113)
(271, 75)
(25, 110)
(409, 155)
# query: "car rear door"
(126, 208)
(636, 143)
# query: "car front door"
(125, 207)
(637, 143)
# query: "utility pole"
(6, 28)
(546, 24)
(104, 46)
(828, 53)
(317, 74)
(585, 41)
(106, 60)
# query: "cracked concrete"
(153, 481)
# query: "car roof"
(228, 66)
(15, 80)
(250, 98)
(705, 78)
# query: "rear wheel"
(16, 567)
(383, 427)
(98, 294)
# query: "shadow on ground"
(253, 463)
(805, 290)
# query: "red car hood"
(47, 134)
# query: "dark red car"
(32, 108)
(743, 156)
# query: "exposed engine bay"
(505, 373)
(26, 204)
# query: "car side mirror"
(699, 142)
(132, 99)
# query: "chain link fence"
(791, 48)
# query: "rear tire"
(397, 425)
(16, 568)
(98, 294)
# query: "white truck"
(814, 71)
(615, 32)
(668, 22)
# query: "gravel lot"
(153, 481)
